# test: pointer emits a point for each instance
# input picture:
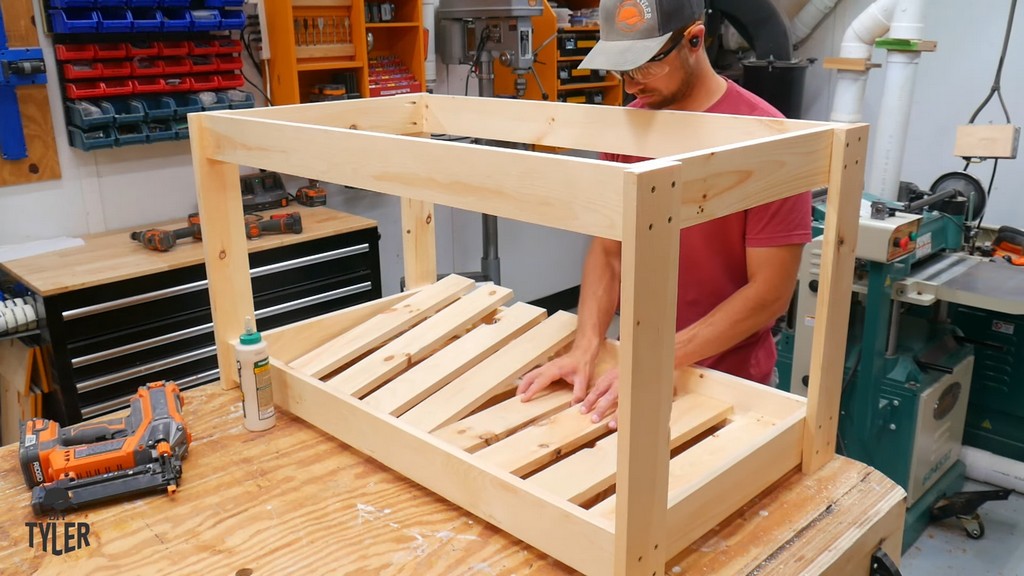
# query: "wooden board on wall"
(33, 103)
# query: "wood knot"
(430, 218)
(223, 254)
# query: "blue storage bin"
(143, 3)
(72, 3)
(109, 3)
(127, 134)
(185, 104)
(176, 19)
(205, 19)
(114, 19)
(127, 111)
(232, 19)
(181, 129)
(74, 20)
(160, 131)
(156, 108)
(240, 99)
(175, 3)
(86, 114)
(221, 103)
(91, 139)
(146, 20)
(224, 3)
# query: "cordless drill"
(283, 223)
(163, 240)
(96, 461)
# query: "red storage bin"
(79, 70)
(75, 51)
(174, 66)
(107, 50)
(230, 80)
(173, 48)
(228, 46)
(201, 47)
(77, 90)
(148, 85)
(178, 84)
(142, 48)
(203, 64)
(147, 67)
(117, 87)
(207, 82)
(227, 63)
(116, 68)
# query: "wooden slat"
(388, 115)
(643, 133)
(419, 243)
(743, 395)
(225, 248)
(453, 360)
(383, 327)
(543, 441)
(497, 422)
(648, 283)
(293, 340)
(494, 375)
(415, 344)
(728, 179)
(733, 473)
(835, 285)
(589, 472)
(563, 530)
(576, 194)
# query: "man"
(736, 273)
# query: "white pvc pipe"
(993, 469)
(890, 133)
(858, 41)
(430, 66)
(809, 16)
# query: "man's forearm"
(742, 314)
(599, 294)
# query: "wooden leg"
(419, 243)
(225, 250)
(828, 349)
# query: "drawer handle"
(151, 367)
(202, 284)
(311, 300)
(118, 403)
(141, 345)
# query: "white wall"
(133, 186)
(951, 83)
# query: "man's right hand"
(574, 367)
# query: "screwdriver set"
(322, 29)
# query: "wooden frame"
(735, 437)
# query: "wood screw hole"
(673, 183)
(669, 219)
(653, 188)
(244, 572)
(33, 168)
(650, 227)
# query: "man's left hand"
(603, 398)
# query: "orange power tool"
(163, 240)
(283, 223)
(96, 461)
(1008, 245)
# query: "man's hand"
(603, 398)
(574, 367)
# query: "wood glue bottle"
(253, 363)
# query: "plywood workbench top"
(294, 500)
(112, 256)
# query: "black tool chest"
(109, 339)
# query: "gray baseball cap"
(632, 31)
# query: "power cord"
(476, 56)
(248, 50)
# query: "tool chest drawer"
(108, 339)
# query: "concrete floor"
(944, 548)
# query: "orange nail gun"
(96, 461)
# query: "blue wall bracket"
(18, 67)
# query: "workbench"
(118, 315)
(294, 500)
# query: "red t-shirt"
(712, 255)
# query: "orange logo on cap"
(630, 16)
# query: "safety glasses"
(655, 67)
